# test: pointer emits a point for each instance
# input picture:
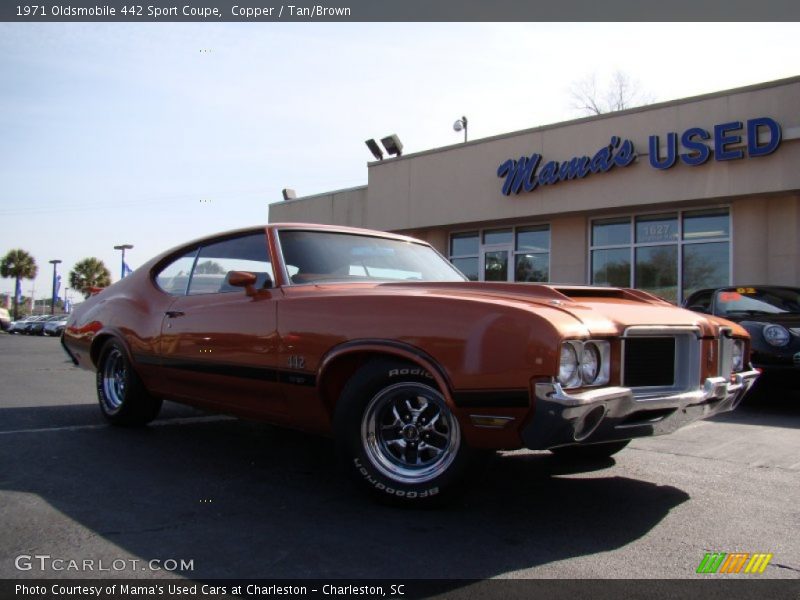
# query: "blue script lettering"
(524, 174)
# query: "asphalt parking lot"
(244, 500)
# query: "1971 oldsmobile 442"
(379, 341)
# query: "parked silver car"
(24, 325)
(55, 326)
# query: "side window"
(215, 263)
(174, 278)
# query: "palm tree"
(87, 274)
(19, 265)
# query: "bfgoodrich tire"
(122, 397)
(396, 435)
(589, 451)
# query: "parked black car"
(771, 314)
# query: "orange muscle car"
(378, 340)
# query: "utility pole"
(55, 264)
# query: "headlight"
(590, 363)
(568, 367)
(776, 335)
(584, 363)
(737, 356)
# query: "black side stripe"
(227, 370)
(492, 399)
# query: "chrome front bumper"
(614, 413)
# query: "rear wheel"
(396, 434)
(590, 451)
(123, 399)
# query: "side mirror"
(244, 279)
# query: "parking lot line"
(178, 421)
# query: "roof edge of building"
(609, 115)
(320, 194)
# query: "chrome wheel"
(409, 434)
(115, 378)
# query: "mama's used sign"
(527, 173)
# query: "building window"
(668, 254)
(503, 254)
(532, 254)
(464, 251)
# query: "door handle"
(174, 313)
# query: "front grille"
(649, 362)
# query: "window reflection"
(497, 236)
(496, 266)
(706, 224)
(704, 266)
(657, 271)
(611, 267)
(464, 244)
(534, 239)
(652, 229)
(468, 266)
(532, 267)
(611, 232)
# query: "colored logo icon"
(734, 562)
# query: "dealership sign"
(725, 142)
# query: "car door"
(219, 343)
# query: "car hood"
(600, 310)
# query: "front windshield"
(757, 301)
(324, 256)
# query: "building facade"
(668, 198)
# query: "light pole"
(53, 297)
(66, 298)
(123, 247)
(461, 124)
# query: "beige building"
(668, 198)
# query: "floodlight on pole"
(375, 149)
(461, 124)
(393, 145)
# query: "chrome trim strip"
(660, 330)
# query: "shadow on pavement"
(247, 500)
(767, 405)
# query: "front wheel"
(122, 396)
(396, 434)
(590, 451)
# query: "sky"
(154, 134)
